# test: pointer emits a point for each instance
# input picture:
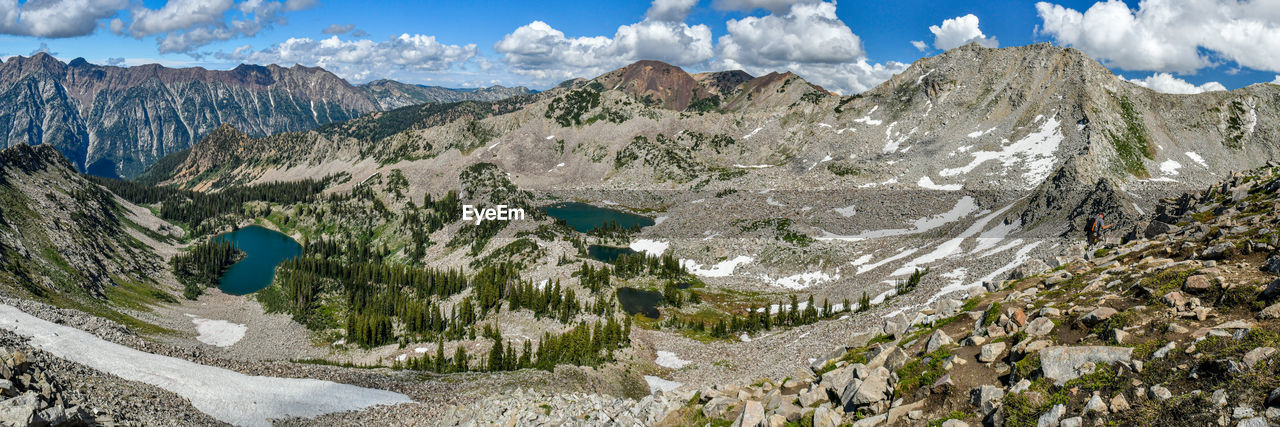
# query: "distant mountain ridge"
(117, 121)
(391, 94)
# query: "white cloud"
(1168, 35)
(670, 10)
(338, 29)
(545, 54)
(182, 26)
(1276, 81)
(775, 6)
(919, 45)
(959, 31)
(56, 18)
(810, 40)
(1167, 83)
(360, 59)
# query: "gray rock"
(986, 398)
(937, 341)
(896, 325)
(1098, 315)
(752, 415)
(991, 352)
(1219, 398)
(1257, 355)
(1050, 418)
(1253, 422)
(954, 423)
(1219, 251)
(874, 388)
(1198, 284)
(1063, 363)
(1095, 404)
(1039, 327)
(1272, 292)
(1164, 351)
(20, 411)
(1071, 422)
(1242, 412)
(813, 395)
(1271, 312)
(1119, 403)
(718, 407)
(1272, 265)
(825, 417)
(1158, 392)
(1273, 399)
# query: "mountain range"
(117, 121)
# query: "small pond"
(607, 254)
(584, 217)
(639, 301)
(264, 249)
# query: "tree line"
(203, 265)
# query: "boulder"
(1095, 404)
(789, 411)
(1018, 317)
(752, 415)
(1039, 327)
(1198, 284)
(1064, 363)
(1071, 422)
(1272, 265)
(1253, 422)
(813, 396)
(1257, 355)
(826, 417)
(947, 307)
(991, 352)
(937, 341)
(1156, 228)
(718, 407)
(1271, 312)
(874, 388)
(1273, 399)
(1119, 403)
(1158, 392)
(1272, 292)
(20, 411)
(1056, 279)
(794, 386)
(775, 420)
(896, 325)
(1030, 268)
(986, 398)
(954, 423)
(1050, 418)
(1219, 252)
(1098, 315)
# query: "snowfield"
(218, 333)
(721, 269)
(227, 395)
(660, 385)
(1034, 152)
(650, 247)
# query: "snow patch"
(650, 247)
(900, 255)
(927, 183)
(752, 166)
(1170, 167)
(847, 211)
(753, 133)
(1195, 157)
(721, 269)
(1035, 152)
(668, 359)
(226, 395)
(218, 333)
(964, 207)
(658, 385)
(803, 280)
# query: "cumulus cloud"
(360, 59)
(117, 61)
(959, 31)
(56, 18)
(181, 26)
(1276, 81)
(775, 6)
(808, 39)
(1172, 36)
(338, 29)
(1167, 83)
(544, 53)
(670, 10)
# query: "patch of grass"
(918, 373)
(992, 314)
(1027, 367)
(1133, 142)
(954, 415)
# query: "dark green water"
(584, 217)
(264, 249)
(607, 254)
(639, 301)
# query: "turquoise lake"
(583, 217)
(264, 250)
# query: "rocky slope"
(118, 120)
(1179, 328)
(61, 235)
(390, 94)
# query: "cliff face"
(390, 94)
(116, 121)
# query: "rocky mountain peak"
(723, 83)
(656, 82)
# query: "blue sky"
(847, 46)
